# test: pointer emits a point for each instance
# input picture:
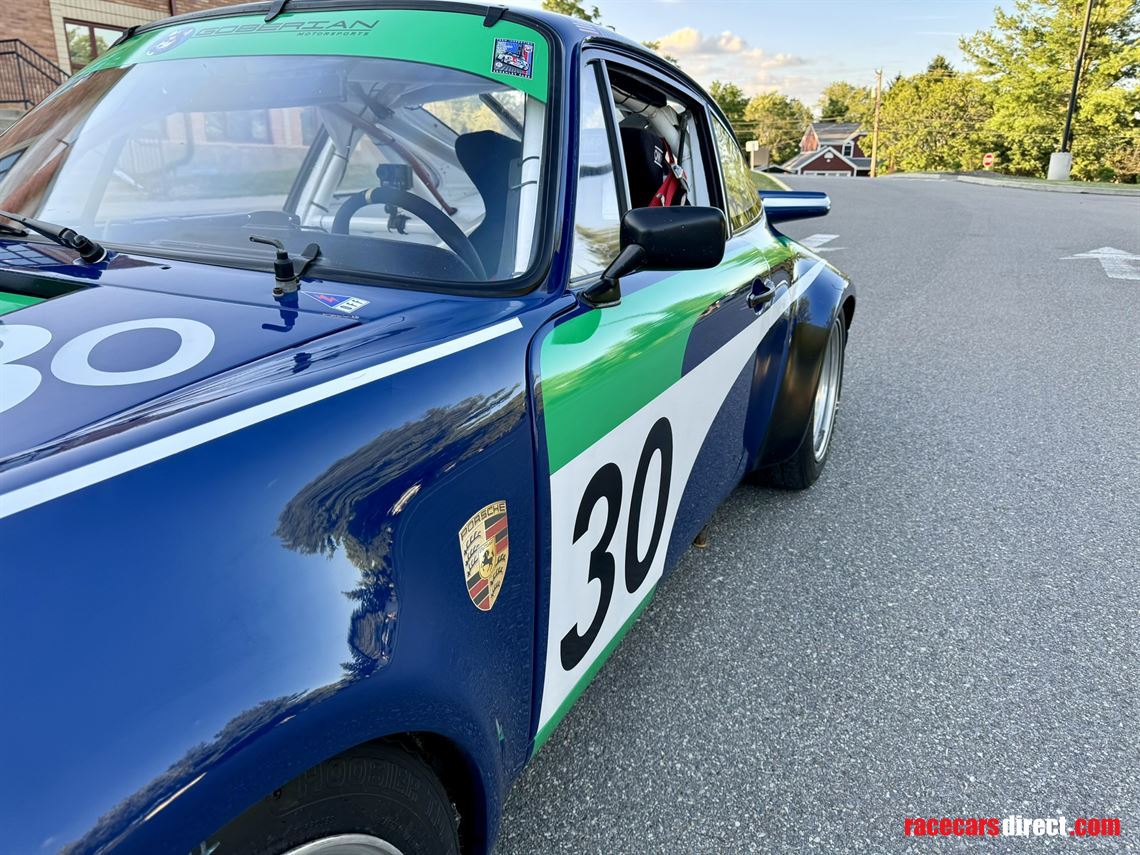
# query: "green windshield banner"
(510, 53)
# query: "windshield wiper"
(88, 250)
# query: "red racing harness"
(675, 181)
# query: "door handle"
(763, 290)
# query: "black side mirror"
(681, 238)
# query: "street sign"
(988, 159)
(752, 145)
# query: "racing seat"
(645, 166)
(492, 162)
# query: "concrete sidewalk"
(1026, 183)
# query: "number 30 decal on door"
(606, 486)
(615, 491)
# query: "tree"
(731, 99)
(1027, 59)
(845, 102)
(940, 65)
(778, 121)
(574, 9)
(655, 46)
(935, 122)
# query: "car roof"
(570, 31)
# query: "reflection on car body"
(371, 497)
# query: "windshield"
(360, 131)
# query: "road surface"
(948, 623)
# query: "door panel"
(643, 409)
(630, 397)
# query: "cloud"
(689, 41)
(728, 56)
(783, 60)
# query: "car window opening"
(657, 143)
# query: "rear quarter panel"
(792, 358)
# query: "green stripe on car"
(636, 350)
(12, 302)
(588, 677)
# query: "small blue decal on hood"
(338, 301)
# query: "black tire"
(803, 468)
(380, 790)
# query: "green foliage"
(465, 115)
(732, 101)
(845, 102)
(940, 65)
(764, 181)
(574, 9)
(655, 46)
(78, 47)
(934, 121)
(1027, 59)
(777, 121)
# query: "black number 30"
(607, 484)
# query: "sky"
(798, 46)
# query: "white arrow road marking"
(817, 241)
(1117, 263)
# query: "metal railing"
(26, 75)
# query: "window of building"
(849, 149)
(86, 41)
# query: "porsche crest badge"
(484, 545)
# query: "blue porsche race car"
(364, 369)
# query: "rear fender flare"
(828, 297)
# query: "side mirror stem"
(606, 292)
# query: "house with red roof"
(830, 148)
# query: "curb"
(1046, 188)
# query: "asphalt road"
(948, 623)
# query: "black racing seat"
(490, 159)
(645, 166)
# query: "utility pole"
(875, 133)
(1061, 162)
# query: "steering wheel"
(436, 219)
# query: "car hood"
(103, 342)
(163, 622)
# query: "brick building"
(44, 41)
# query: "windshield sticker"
(170, 41)
(348, 305)
(513, 57)
(520, 57)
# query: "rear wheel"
(375, 800)
(802, 469)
